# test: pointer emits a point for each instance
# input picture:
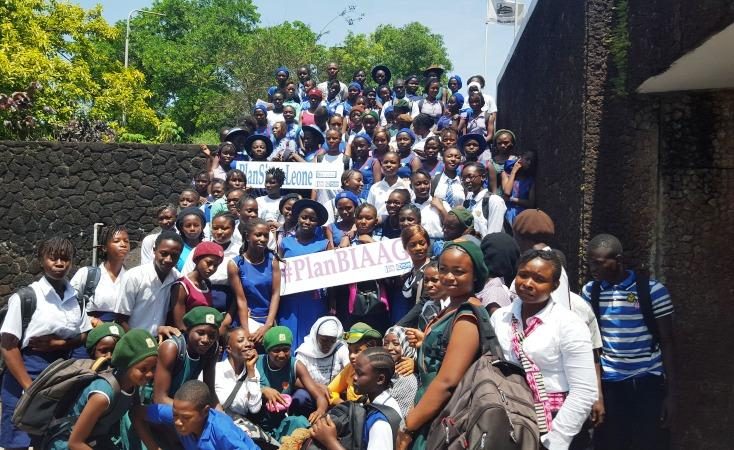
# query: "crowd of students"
(208, 354)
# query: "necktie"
(450, 192)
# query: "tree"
(52, 46)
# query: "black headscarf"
(500, 255)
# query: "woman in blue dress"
(368, 166)
(300, 311)
(409, 161)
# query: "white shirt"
(332, 365)
(274, 117)
(380, 435)
(146, 248)
(324, 88)
(431, 219)
(496, 209)
(489, 104)
(457, 188)
(561, 348)
(248, 398)
(381, 190)
(326, 196)
(145, 298)
(53, 314)
(106, 292)
(267, 208)
(220, 276)
(582, 308)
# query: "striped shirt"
(626, 340)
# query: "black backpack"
(369, 298)
(27, 308)
(350, 418)
(642, 282)
(90, 284)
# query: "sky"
(460, 22)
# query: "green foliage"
(209, 137)
(619, 45)
(55, 45)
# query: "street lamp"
(127, 32)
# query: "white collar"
(48, 291)
(382, 398)
(516, 310)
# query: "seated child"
(101, 341)
(359, 338)
(198, 425)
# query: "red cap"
(208, 249)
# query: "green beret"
(464, 215)
(277, 336)
(203, 315)
(100, 332)
(477, 258)
(359, 331)
(134, 346)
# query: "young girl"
(409, 161)
(221, 162)
(381, 143)
(268, 205)
(353, 181)
(431, 105)
(97, 412)
(188, 198)
(236, 179)
(353, 91)
(433, 209)
(289, 221)
(431, 300)
(239, 373)
(474, 148)
(193, 288)
(58, 325)
(488, 210)
(379, 192)
(190, 225)
(409, 215)
(450, 342)
(423, 128)
(430, 162)
(333, 99)
(201, 184)
(342, 230)
(324, 353)
(255, 279)
(403, 387)
(313, 139)
(368, 166)
(477, 121)
(504, 147)
(449, 137)
(518, 185)
(374, 369)
(332, 158)
(447, 186)
(300, 311)
(281, 78)
(365, 223)
(391, 224)
(417, 245)
(292, 130)
(276, 114)
(115, 247)
(102, 339)
(308, 114)
(454, 84)
(353, 125)
(452, 116)
(372, 105)
(263, 128)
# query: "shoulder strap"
(420, 106)
(27, 307)
(434, 182)
(595, 295)
(90, 284)
(392, 416)
(485, 205)
(488, 341)
(180, 341)
(233, 394)
(642, 281)
(347, 162)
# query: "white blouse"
(561, 348)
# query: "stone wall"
(656, 170)
(53, 188)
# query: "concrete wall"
(52, 188)
(656, 170)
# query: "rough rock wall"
(53, 188)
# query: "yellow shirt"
(343, 382)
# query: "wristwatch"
(405, 430)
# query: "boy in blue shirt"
(199, 427)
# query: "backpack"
(350, 419)
(642, 282)
(90, 284)
(27, 308)
(181, 344)
(492, 406)
(367, 298)
(46, 404)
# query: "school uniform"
(496, 209)
(104, 301)
(222, 295)
(451, 190)
(219, 432)
(381, 190)
(377, 428)
(249, 397)
(145, 298)
(53, 315)
(268, 208)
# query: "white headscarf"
(324, 326)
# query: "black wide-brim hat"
(316, 131)
(321, 214)
(388, 74)
(258, 137)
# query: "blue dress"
(257, 283)
(300, 311)
(367, 177)
(405, 170)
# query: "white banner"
(297, 175)
(343, 266)
(503, 11)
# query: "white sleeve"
(496, 213)
(371, 196)
(77, 281)
(13, 323)
(127, 295)
(254, 394)
(380, 436)
(578, 362)
(189, 265)
(146, 250)
(415, 110)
